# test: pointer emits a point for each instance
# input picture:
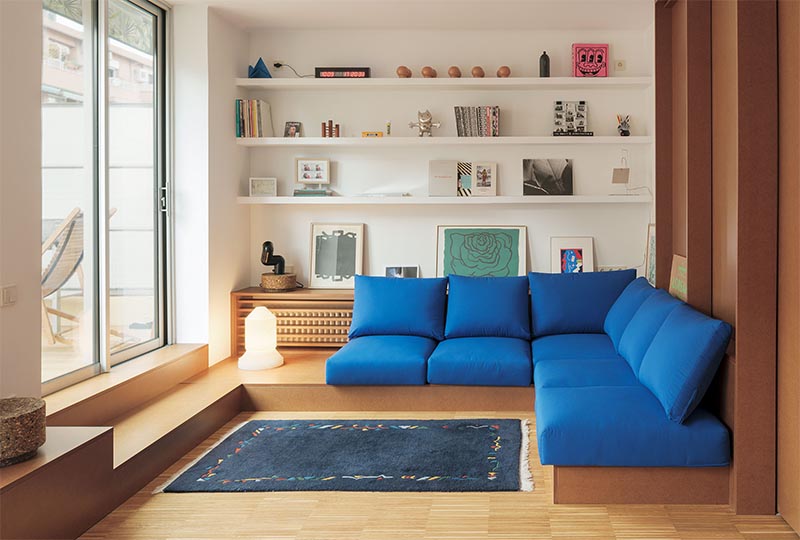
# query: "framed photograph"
(402, 271)
(312, 171)
(481, 250)
(650, 255)
(263, 187)
(571, 255)
(590, 59)
(293, 129)
(547, 177)
(336, 255)
(571, 118)
(464, 179)
(677, 278)
(484, 179)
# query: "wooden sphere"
(428, 72)
(477, 71)
(454, 72)
(403, 72)
(504, 71)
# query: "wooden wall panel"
(789, 261)
(663, 188)
(680, 126)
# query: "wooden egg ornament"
(403, 72)
(454, 72)
(504, 71)
(428, 72)
(477, 72)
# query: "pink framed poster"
(590, 59)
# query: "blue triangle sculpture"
(260, 71)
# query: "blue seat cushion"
(583, 372)
(572, 347)
(399, 307)
(682, 360)
(488, 307)
(574, 303)
(621, 313)
(639, 334)
(623, 426)
(481, 361)
(380, 360)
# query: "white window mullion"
(104, 326)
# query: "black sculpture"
(268, 259)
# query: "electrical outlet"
(8, 295)
(619, 65)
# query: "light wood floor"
(408, 516)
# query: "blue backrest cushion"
(626, 305)
(488, 307)
(639, 333)
(399, 306)
(682, 360)
(574, 303)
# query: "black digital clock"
(341, 72)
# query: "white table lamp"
(260, 341)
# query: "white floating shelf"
(463, 201)
(405, 141)
(446, 83)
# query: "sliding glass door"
(103, 178)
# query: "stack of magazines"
(253, 118)
(312, 192)
(478, 121)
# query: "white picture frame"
(337, 255)
(312, 171)
(399, 271)
(263, 187)
(576, 253)
(451, 259)
(484, 179)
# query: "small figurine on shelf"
(424, 123)
(277, 280)
(624, 126)
(454, 72)
(329, 129)
(544, 65)
(429, 73)
(478, 72)
(259, 71)
(403, 72)
(504, 72)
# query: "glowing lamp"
(260, 341)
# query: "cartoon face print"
(591, 61)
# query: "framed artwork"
(336, 255)
(571, 118)
(650, 255)
(677, 278)
(464, 179)
(481, 250)
(547, 177)
(402, 271)
(293, 129)
(263, 187)
(312, 171)
(484, 179)
(571, 254)
(590, 59)
(442, 178)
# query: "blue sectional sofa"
(619, 367)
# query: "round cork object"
(22, 429)
(278, 282)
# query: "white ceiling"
(435, 14)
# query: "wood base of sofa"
(641, 485)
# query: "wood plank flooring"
(411, 516)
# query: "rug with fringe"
(364, 455)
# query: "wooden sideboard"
(306, 317)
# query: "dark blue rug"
(363, 455)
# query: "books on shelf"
(481, 121)
(312, 192)
(253, 118)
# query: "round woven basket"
(278, 282)
(22, 429)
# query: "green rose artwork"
(482, 252)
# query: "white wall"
(406, 234)
(229, 226)
(20, 195)
(190, 189)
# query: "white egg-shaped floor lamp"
(260, 341)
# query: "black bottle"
(544, 65)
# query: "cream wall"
(20, 195)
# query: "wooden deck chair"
(66, 243)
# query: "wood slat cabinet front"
(306, 317)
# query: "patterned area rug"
(365, 455)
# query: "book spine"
(260, 123)
(236, 111)
(457, 111)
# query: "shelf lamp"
(621, 175)
(260, 341)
